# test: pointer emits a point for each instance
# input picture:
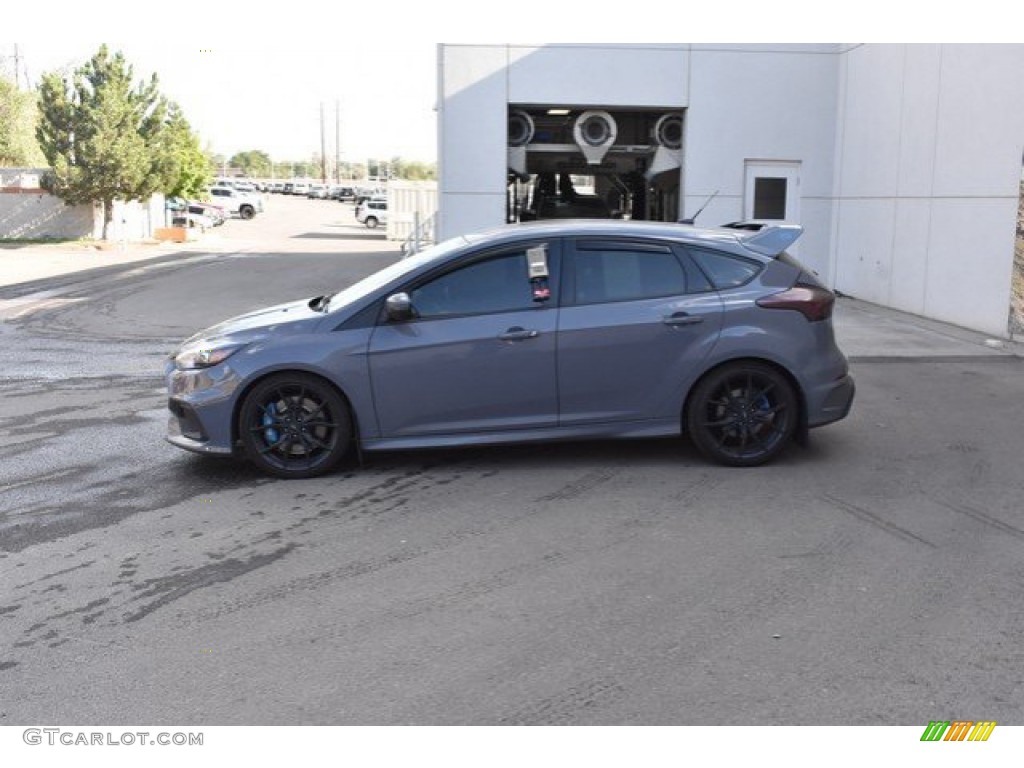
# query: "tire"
(247, 212)
(371, 222)
(742, 414)
(295, 425)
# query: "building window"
(769, 198)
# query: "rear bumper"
(831, 402)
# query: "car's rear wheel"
(295, 425)
(742, 414)
(371, 222)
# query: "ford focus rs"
(546, 331)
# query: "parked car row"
(371, 204)
(314, 190)
(195, 214)
(218, 205)
(233, 198)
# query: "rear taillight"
(812, 301)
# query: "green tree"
(191, 171)
(18, 114)
(253, 162)
(352, 170)
(103, 137)
(412, 170)
(218, 162)
(295, 169)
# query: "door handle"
(682, 318)
(518, 334)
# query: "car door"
(478, 355)
(637, 319)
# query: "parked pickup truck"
(244, 204)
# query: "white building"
(902, 162)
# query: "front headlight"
(203, 355)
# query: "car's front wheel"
(371, 222)
(295, 425)
(246, 211)
(742, 414)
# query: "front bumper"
(175, 437)
(201, 405)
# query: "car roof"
(713, 237)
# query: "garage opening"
(595, 163)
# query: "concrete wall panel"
(601, 75)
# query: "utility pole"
(17, 70)
(337, 141)
(323, 148)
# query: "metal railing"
(422, 234)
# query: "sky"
(253, 75)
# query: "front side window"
(499, 284)
(622, 274)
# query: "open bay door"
(594, 161)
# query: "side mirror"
(398, 307)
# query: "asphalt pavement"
(871, 577)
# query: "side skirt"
(620, 430)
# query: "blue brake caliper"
(268, 418)
(764, 405)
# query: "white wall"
(763, 103)
(928, 163)
(600, 75)
(740, 102)
(478, 82)
(472, 137)
(909, 155)
(36, 214)
(28, 215)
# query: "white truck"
(244, 204)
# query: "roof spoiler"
(773, 239)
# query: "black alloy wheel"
(295, 425)
(742, 414)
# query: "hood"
(293, 317)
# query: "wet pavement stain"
(171, 588)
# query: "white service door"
(772, 191)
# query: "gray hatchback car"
(536, 332)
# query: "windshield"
(403, 267)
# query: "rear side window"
(622, 274)
(725, 270)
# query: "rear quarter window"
(725, 270)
